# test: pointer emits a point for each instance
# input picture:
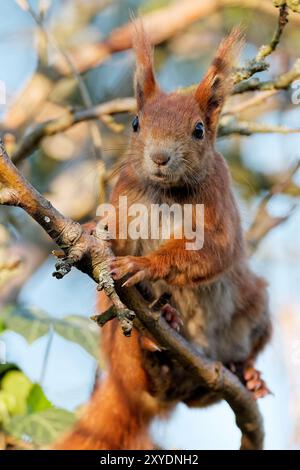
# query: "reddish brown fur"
(218, 77)
(223, 304)
(144, 71)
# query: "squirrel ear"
(145, 83)
(217, 82)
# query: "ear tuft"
(145, 83)
(217, 83)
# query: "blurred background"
(59, 57)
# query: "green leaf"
(9, 400)
(30, 323)
(18, 385)
(4, 413)
(2, 325)
(4, 368)
(37, 400)
(41, 428)
(80, 330)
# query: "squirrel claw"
(172, 316)
(149, 344)
(254, 382)
(251, 378)
(137, 277)
(134, 266)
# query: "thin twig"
(231, 126)
(282, 82)
(85, 95)
(46, 354)
(240, 78)
(124, 105)
(265, 51)
(263, 221)
(31, 140)
(249, 103)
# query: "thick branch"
(212, 375)
(90, 254)
(161, 24)
(81, 249)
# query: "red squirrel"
(223, 305)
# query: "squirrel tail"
(120, 410)
(108, 423)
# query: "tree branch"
(71, 117)
(30, 141)
(81, 249)
(258, 64)
(188, 11)
(94, 126)
(231, 126)
(263, 221)
(90, 254)
(264, 51)
(254, 100)
(282, 82)
(161, 25)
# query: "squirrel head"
(173, 134)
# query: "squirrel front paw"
(254, 382)
(136, 267)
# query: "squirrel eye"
(199, 130)
(135, 124)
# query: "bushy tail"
(121, 408)
(109, 423)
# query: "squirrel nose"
(160, 159)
